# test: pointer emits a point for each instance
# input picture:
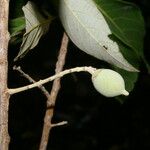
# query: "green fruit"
(109, 83)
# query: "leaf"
(88, 29)
(125, 21)
(36, 26)
(16, 26)
(130, 80)
(129, 77)
(129, 29)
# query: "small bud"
(109, 83)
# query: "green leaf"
(16, 26)
(129, 77)
(130, 80)
(36, 27)
(127, 25)
(88, 29)
(125, 21)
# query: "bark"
(4, 96)
(53, 95)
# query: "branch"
(58, 75)
(54, 92)
(59, 124)
(4, 96)
(42, 88)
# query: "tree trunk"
(4, 96)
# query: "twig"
(59, 75)
(59, 124)
(31, 80)
(53, 95)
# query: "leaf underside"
(36, 27)
(127, 24)
(125, 21)
(88, 29)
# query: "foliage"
(113, 122)
(126, 31)
(36, 26)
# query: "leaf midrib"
(91, 34)
(43, 22)
(38, 25)
(125, 41)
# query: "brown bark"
(4, 96)
(53, 95)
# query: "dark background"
(94, 122)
